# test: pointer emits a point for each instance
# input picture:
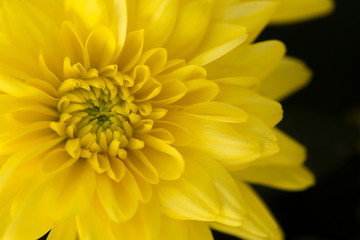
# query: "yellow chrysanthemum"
(137, 119)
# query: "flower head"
(144, 119)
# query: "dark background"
(325, 117)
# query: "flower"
(145, 119)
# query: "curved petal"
(205, 192)
(144, 225)
(70, 191)
(254, 15)
(291, 11)
(220, 39)
(120, 200)
(292, 178)
(265, 109)
(255, 60)
(291, 75)
(191, 25)
(157, 18)
(259, 224)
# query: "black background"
(322, 116)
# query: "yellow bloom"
(137, 119)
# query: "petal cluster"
(144, 119)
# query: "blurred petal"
(291, 11)
(290, 76)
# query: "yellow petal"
(155, 59)
(63, 230)
(30, 136)
(254, 15)
(291, 75)
(220, 39)
(72, 41)
(292, 178)
(199, 230)
(118, 22)
(100, 46)
(259, 224)
(145, 188)
(255, 60)
(185, 73)
(144, 225)
(157, 18)
(5, 217)
(172, 90)
(138, 162)
(70, 191)
(9, 169)
(265, 109)
(31, 221)
(120, 200)
(57, 160)
(166, 159)
(17, 88)
(291, 11)
(180, 134)
(174, 229)
(30, 23)
(198, 90)
(232, 211)
(191, 197)
(219, 140)
(217, 111)
(86, 13)
(132, 50)
(94, 216)
(191, 25)
(291, 152)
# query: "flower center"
(97, 114)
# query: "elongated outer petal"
(70, 191)
(259, 224)
(232, 210)
(291, 75)
(292, 178)
(100, 46)
(63, 231)
(256, 60)
(86, 13)
(291, 11)
(120, 200)
(204, 192)
(94, 216)
(254, 15)
(166, 159)
(118, 21)
(291, 152)
(30, 23)
(269, 111)
(157, 18)
(220, 140)
(283, 170)
(191, 25)
(220, 39)
(217, 111)
(17, 88)
(144, 225)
